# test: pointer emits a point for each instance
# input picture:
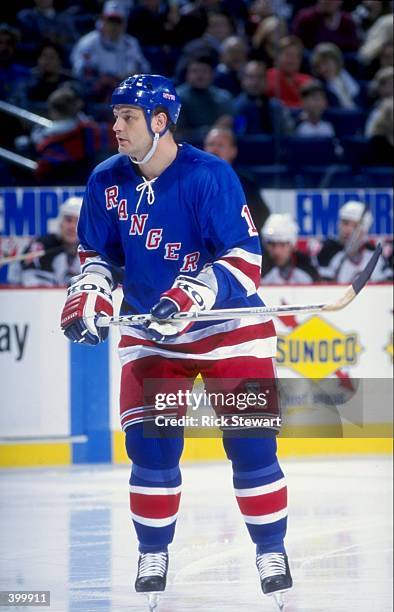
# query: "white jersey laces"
(150, 196)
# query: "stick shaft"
(218, 315)
(246, 313)
(30, 255)
(21, 257)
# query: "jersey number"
(252, 231)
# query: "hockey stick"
(241, 313)
(21, 257)
(30, 255)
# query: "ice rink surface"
(68, 531)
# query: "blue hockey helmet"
(149, 91)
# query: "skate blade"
(279, 599)
(153, 601)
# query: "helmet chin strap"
(150, 153)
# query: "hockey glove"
(87, 298)
(186, 295)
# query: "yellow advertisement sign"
(389, 347)
(317, 349)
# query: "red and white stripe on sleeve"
(88, 256)
(245, 267)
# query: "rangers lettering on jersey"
(111, 197)
(190, 222)
(138, 223)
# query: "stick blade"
(363, 277)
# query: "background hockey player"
(176, 221)
(282, 263)
(340, 260)
(60, 261)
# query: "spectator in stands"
(254, 112)
(218, 27)
(285, 80)
(326, 22)
(381, 88)
(377, 49)
(195, 18)
(203, 104)
(46, 77)
(282, 263)
(341, 88)
(60, 261)
(314, 103)
(381, 139)
(233, 57)
(44, 22)
(12, 74)
(222, 143)
(258, 11)
(265, 40)
(154, 23)
(368, 12)
(386, 55)
(105, 56)
(341, 259)
(68, 149)
(149, 22)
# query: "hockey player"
(173, 221)
(60, 261)
(283, 264)
(340, 260)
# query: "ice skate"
(275, 575)
(152, 576)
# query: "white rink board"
(34, 383)
(369, 316)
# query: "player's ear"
(159, 122)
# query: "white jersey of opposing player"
(296, 277)
(347, 271)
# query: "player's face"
(68, 229)
(346, 229)
(279, 252)
(131, 131)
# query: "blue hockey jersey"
(193, 216)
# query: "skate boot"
(152, 576)
(275, 575)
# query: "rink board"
(59, 401)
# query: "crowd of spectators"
(273, 69)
